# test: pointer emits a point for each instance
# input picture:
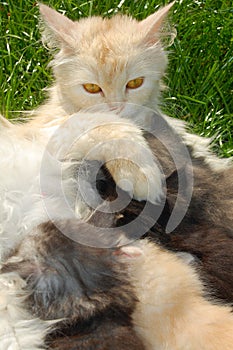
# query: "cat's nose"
(116, 107)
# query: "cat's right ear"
(58, 30)
(153, 25)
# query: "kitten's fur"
(95, 292)
(87, 288)
(172, 312)
(206, 231)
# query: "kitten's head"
(106, 60)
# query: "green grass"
(200, 74)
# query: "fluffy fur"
(21, 200)
(206, 231)
(86, 287)
(107, 52)
(20, 161)
(37, 168)
(94, 288)
(110, 53)
(172, 312)
(173, 301)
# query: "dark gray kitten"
(206, 230)
(87, 288)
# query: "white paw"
(142, 183)
(188, 258)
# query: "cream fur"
(109, 53)
(118, 143)
(172, 313)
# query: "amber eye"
(135, 83)
(92, 88)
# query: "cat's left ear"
(153, 24)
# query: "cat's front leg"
(142, 181)
(128, 158)
(117, 143)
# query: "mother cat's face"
(107, 60)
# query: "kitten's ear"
(130, 252)
(59, 30)
(153, 24)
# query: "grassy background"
(200, 75)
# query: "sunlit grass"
(199, 79)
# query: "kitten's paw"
(188, 258)
(142, 183)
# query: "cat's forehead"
(108, 25)
(108, 36)
(109, 43)
(109, 51)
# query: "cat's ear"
(5, 123)
(59, 30)
(130, 252)
(153, 25)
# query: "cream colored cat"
(104, 61)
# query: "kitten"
(172, 312)
(206, 230)
(87, 289)
(108, 68)
(95, 289)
